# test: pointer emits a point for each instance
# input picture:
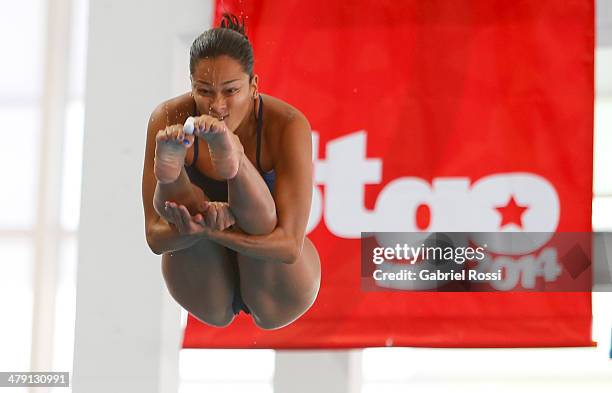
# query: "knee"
(257, 226)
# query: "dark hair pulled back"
(229, 39)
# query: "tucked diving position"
(227, 188)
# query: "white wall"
(127, 327)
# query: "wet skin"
(262, 233)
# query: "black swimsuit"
(216, 190)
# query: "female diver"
(228, 206)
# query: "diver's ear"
(254, 82)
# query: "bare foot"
(224, 146)
(170, 148)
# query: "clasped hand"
(215, 216)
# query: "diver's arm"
(292, 196)
(163, 237)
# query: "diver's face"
(221, 89)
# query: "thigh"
(277, 288)
(201, 279)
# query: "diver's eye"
(232, 90)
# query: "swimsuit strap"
(195, 150)
(259, 127)
(195, 139)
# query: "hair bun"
(231, 21)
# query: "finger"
(232, 218)
(184, 212)
(226, 220)
(166, 212)
(209, 219)
(177, 218)
(172, 214)
(221, 217)
(211, 216)
(204, 206)
(220, 221)
(185, 216)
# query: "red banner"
(430, 116)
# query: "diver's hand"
(215, 216)
(185, 223)
(218, 216)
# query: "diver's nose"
(218, 107)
